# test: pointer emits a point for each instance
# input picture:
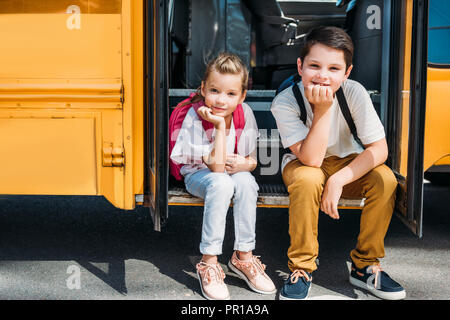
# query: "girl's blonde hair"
(224, 63)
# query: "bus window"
(439, 32)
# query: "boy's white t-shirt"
(340, 141)
(192, 142)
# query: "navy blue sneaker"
(378, 282)
(296, 286)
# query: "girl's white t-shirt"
(340, 140)
(192, 142)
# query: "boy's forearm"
(313, 148)
(373, 156)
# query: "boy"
(326, 163)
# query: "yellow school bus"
(71, 98)
(87, 87)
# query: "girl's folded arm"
(252, 163)
(215, 161)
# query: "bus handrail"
(61, 92)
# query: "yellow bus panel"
(437, 118)
(71, 98)
(48, 156)
(43, 46)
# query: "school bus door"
(156, 111)
(437, 119)
(407, 102)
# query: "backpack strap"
(301, 103)
(343, 105)
(239, 124)
(238, 121)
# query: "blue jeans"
(217, 190)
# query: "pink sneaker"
(211, 281)
(252, 271)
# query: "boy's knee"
(383, 179)
(308, 180)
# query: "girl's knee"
(221, 184)
(245, 181)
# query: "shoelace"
(375, 269)
(254, 266)
(210, 272)
(299, 274)
(257, 262)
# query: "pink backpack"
(176, 121)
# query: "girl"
(215, 173)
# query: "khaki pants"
(305, 186)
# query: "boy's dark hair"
(329, 36)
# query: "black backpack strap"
(301, 103)
(343, 105)
(347, 115)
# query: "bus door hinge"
(113, 156)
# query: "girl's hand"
(321, 97)
(236, 163)
(205, 113)
(330, 198)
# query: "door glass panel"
(439, 32)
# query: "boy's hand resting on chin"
(320, 97)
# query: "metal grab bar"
(61, 92)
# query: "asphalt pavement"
(82, 248)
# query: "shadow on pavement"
(89, 230)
